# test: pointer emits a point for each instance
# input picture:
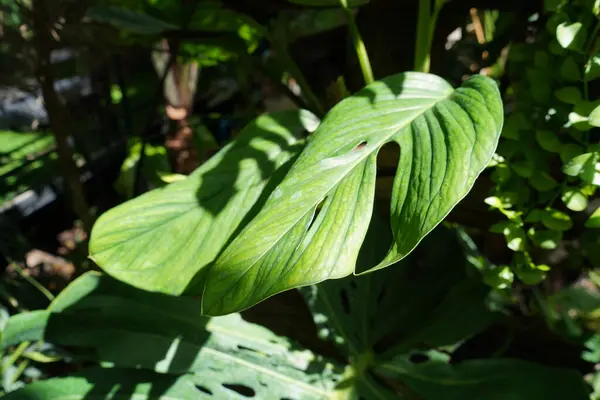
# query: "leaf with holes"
(313, 224)
(104, 320)
(490, 379)
(434, 303)
(164, 239)
(111, 383)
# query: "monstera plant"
(145, 345)
(344, 205)
(274, 211)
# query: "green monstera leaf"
(114, 383)
(489, 379)
(354, 312)
(313, 224)
(161, 240)
(161, 341)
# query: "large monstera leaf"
(162, 240)
(314, 223)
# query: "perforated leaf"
(101, 319)
(433, 301)
(492, 379)
(114, 384)
(313, 224)
(164, 239)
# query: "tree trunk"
(58, 114)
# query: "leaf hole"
(243, 390)
(345, 301)
(418, 358)
(360, 146)
(204, 390)
(244, 348)
(316, 214)
(387, 166)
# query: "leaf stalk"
(425, 30)
(359, 45)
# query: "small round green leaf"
(534, 216)
(541, 181)
(569, 70)
(501, 173)
(556, 220)
(552, 5)
(570, 35)
(584, 166)
(548, 141)
(594, 117)
(594, 220)
(569, 151)
(524, 168)
(547, 240)
(574, 199)
(569, 95)
(592, 70)
(494, 202)
(515, 124)
(515, 237)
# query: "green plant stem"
(588, 47)
(359, 45)
(15, 355)
(421, 45)
(20, 368)
(289, 63)
(33, 282)
(425, 30)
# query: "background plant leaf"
(434, 302)
(493, 379)
(104, 320)
(113, 383)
